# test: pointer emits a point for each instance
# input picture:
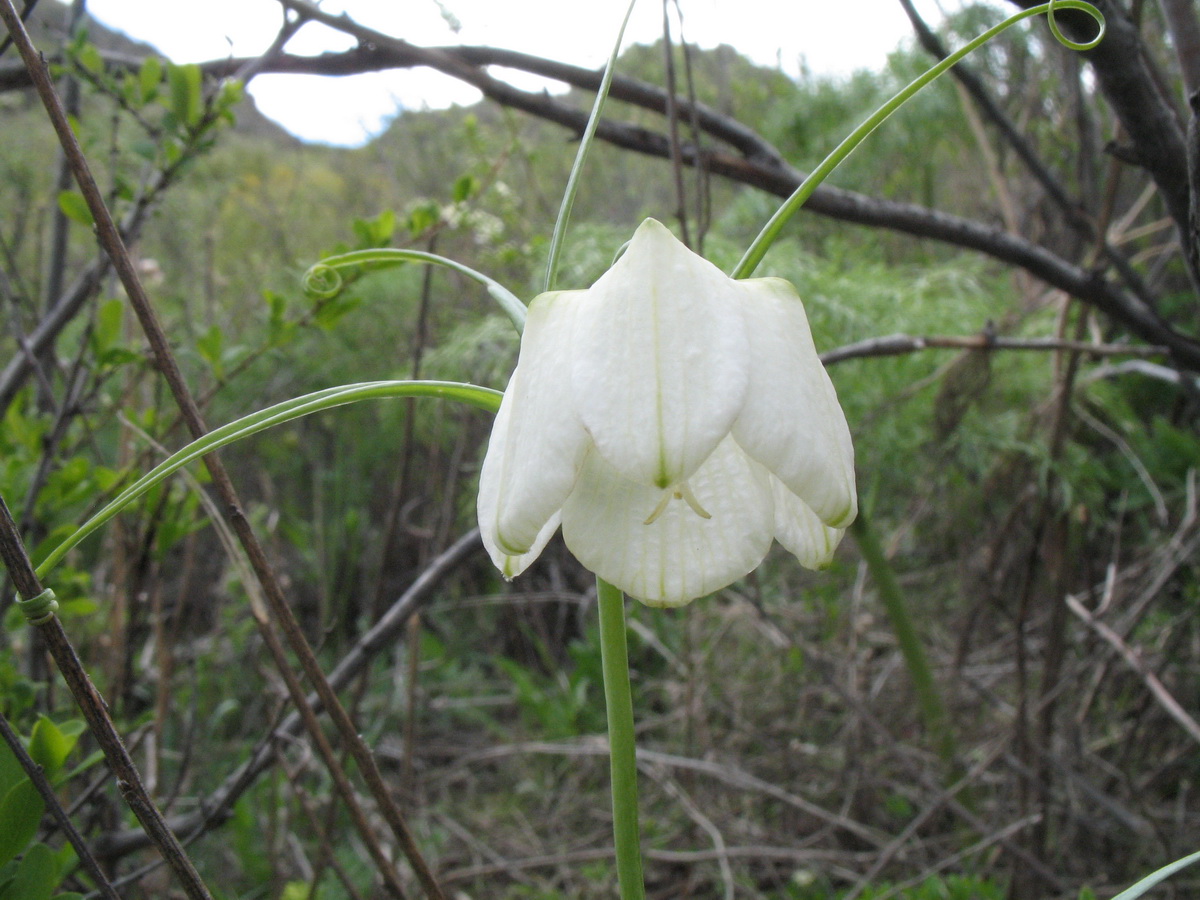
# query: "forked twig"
(1135, 661)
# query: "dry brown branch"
(899, 344)
(837, 861)
(727, 774)
(680, 796)
(1133, 658)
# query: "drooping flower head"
(674, 421)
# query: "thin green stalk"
(621, 741)
(761, 244)
(933, 712)
(585, 145)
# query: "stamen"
(685, 491)
(682, 492)
(658, 510)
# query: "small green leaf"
(464, 188)
(10, 770)
(149, 78)
(21, 812)
(211, 346)
(93, 759)
(89, 57)
(107, 330)
(49, 745)
(422, 218)
(118, 356)
(36, 878)
(231, 93)
(376, 232)
(297, 890)
(330, 312)
(186, 95)
(75, 208)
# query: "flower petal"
(799, 530)
(791, 421)
(509, 563)
(660, 359)
(537, 444)
(679, 556)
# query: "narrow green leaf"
(93, 759)
(1155, 877)
(585, 146)
(762, 243)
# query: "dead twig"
(1135, 661)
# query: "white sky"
(830, 36)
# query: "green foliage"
(950, 444)
(74, 207)
(564, 702)
(805, 885)
(949, 887)
(36, 875)
(32, 871)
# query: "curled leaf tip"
(322, 282)
(1055, 6)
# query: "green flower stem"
(929, 701)
(621, 742)
(758, 249)
(484, 398)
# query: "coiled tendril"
(322, 282)
(40, 609)
(1066, 41)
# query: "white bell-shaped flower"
(674, 421)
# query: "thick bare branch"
(1152, 127)
(755, 162)
(1185, 36)
(750, 159)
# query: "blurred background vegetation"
(784, 754)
